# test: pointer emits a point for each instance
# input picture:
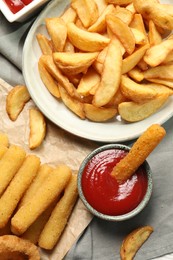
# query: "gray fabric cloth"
(101, 240)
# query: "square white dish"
(24, 13)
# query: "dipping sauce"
(104, 193)
(16, 5)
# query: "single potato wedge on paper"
(37, 125)
(15, 101)
(133, 112)
(134, 241)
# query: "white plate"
(112, 131)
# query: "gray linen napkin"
(101, 240)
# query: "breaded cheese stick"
(33, 232)
(17, 187)
(9, 165)
(59, 217)
(3, 150)
(4, 139)
(41, 176)
(140, 150)
(52, 188)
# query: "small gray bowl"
(128, 215)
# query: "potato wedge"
(160, 14)
(132, 60)
(111, 76)
(56, 73)
(133, 112)
(122, 31)
(44, 44)
(48, 80)
(137, 24)
(134, 241)
(4, 141)
(119, 2)
(136, 74)
(100, 24)
(101, 4)
(37, 126)
(159, 88)
(124, 14)
(16, 100)
(154, 35)
(165, 82)
(74, 63)
(69, 15)
(155, 55)
(86, 10)
(99, 114)
(74, 105)
(160, 72)
(86, 41)
(136, 92)
(57, 30)
(88, 81)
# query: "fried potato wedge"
(136, 92)
(154, 35)
(136, 74)
(100, 24)
(57, 30)
(86, 10)
(37, 125)
(48, 80)
(159, 88)
(160, 14)
(122, 31)
(86, 41)
(44, 44)
(4, 139)
(137, 25)
(99, 114)
(134, 241)
(160, 72)
(88, 81)
(111, 75)
(132, 60)
(119, 2)
(74, 63)
(165, 82)
(124, 14)
(155, 55)
(69, 15)
(16, 100)
(133, 112)
(74, 105)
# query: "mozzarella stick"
(41, 176)
(144, 145)
(33, 232)
(3, 150)
(17, 187)
(9, 165)
(4, 139)
(59, 217)
(52, 188)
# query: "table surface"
(101, 240)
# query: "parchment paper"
(58, 147)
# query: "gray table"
(101, 240)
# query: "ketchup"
(104, 193)
(16, 5)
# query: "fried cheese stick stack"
(10, 164)
(47, 193)
(59, 217)
(17, 187)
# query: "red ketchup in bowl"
(104, 193)
(16, 5)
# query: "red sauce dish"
(103, 195)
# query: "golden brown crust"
(16, 247)
(139, 152)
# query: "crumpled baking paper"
(58, 147)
